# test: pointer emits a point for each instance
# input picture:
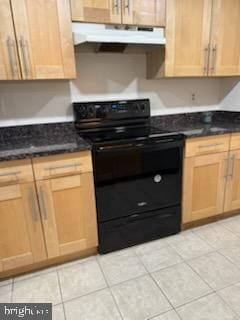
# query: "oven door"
(135, 178)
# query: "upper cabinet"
(202, 40)
(9, 63)
(187, 33)
(144, 13)
(42, 46)
(225, 39)
(131, 12)
(105, 11)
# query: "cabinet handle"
(211, 145)
(116, 7)
(232, 167)
(32, 201)
(127, 5)
(226, 163)
(206, 58)
(8, 174)
(214, 59)
(42, 202)
(11, 55)
(64, 167)
(25, 54)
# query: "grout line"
(225, 302)
(60, 289)
(114, 300)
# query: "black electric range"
(137, 172)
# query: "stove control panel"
(112, 110)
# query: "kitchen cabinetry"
(43, 45)
(9, 63)
(130, 12)
(144, 13)
(44, 36)
(21, 236)
(66, 195)
(105, 11)
(204, 186)
(202, 40)
(225, 40)
(47, 209)
(232, 201)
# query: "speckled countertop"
(39, 140)
(48, 139)
(191, 124)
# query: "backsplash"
(103, 77)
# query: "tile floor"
(191, 276)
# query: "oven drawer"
(138, 228)
(62, 165)
(202, 146)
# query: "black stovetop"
(123, 133)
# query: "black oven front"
(138, 191)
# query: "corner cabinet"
(43, 45)
(202, 40)
(21, 236)
(47, 210)
(129, 12)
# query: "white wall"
(230, 94)
(103, 77)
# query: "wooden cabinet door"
(104, 11)
(21, 235)
(9, 63)
(232, 197)
(225, 40)
(44, 36)
(69, 214)
(144, 13)
(188, 35)
(204, 186)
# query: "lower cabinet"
(211, 184)
(68, 214)
(21, 236)
(232, 196)
(204, 186)
(47, 209)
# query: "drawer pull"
(232, 168)
(211, 145)
(43, 205)
(33, 204)
(9, 174)
(75, 165)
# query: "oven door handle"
(140, 146)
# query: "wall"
(103, 77)
(230, 94)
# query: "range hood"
(116, 38)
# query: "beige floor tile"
(140, 299)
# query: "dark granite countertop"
(48, 139)
(39, 140)
(191, 124)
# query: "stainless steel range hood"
(116, 38)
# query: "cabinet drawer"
(62, 165)
(235, 141)
(16, 172)
(202, 146)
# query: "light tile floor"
(194, 275)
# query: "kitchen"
(182, 96)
